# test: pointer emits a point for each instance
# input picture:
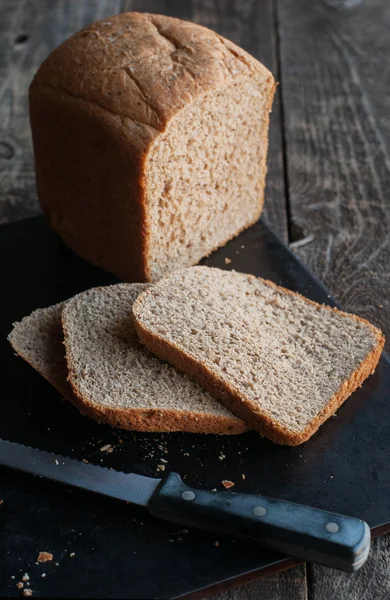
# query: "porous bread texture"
(150, 139)
(279, 361)
(118, 381)
(206, 175)
(38, 339)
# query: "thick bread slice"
(117, 381)
(279, 361)
(38, 339)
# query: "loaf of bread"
(282, 363)
(110, 376)
(150, 139)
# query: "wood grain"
(371, 582)
(290, 585)
(335, 91)
(337, 140)
(29, 30)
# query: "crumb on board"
(43, 575)
(243, 475)
(221, 456)
(85, 461)
(27, 593)
(56, 462)
(20, 585)
(227, 484)
(214, 490)
(228, 261)
(26, 577)
(106, 448)
(44, 557)
(72, 554)
(1, 502)
(216, 544)
(163, 460)
(160, 467)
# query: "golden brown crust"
(112, 63)
(97, 103)
(152, 420)
(254, 417)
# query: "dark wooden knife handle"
(300, 531)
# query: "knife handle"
(300, 531)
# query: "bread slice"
(282, 363)
(117, 381)
(150, 139)
(38, 339)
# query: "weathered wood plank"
(337, 132)
(338, 138)
(29, 30)
(371, 582)
(289, 585)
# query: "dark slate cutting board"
(121, 552)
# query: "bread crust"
(143, 419)
(254, 417)
(97, 104)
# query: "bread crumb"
(227, 484)
(214, 490)
(243, 476)
(120, 441)
(221, 456)
(1, 502)
(85, 461)
(56, 462)
(160, 467)
(43, 575)
(27, 593)
(12, 576)
(44, 557)
(20, 585)
(228, 261)
(106, 448)
(163, 460)
(216, 544)
(72, 554)
(26, 577)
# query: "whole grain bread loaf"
(150, 139)
(282, 363)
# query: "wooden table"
(328, 191)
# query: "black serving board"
(121, 552)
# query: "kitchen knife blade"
(307, 533)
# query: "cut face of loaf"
(279, 361)
(150, 138)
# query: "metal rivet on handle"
(259, 511)
(332, 527)
(188, 495)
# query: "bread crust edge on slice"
(254, 417)
(150, 420)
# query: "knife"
(300, 531)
